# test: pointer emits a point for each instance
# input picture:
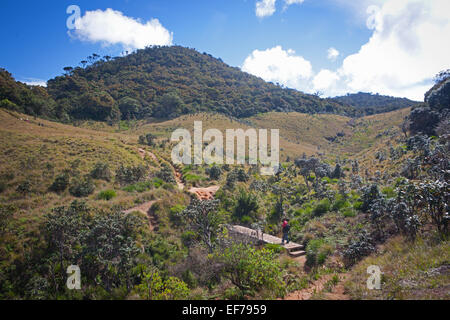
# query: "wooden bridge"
(294, 249)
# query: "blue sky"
(285, 41)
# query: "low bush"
(340, 204)
(348, 212)
(3, 186)
(60, 184)
(139, 187)
(107, 195)
(276, 248)
(317, 251)
(24, 187)
(101, 171)
(81, 188)
(322, 207)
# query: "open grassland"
(37, 151)
(325, 134)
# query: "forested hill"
(168, 81)
(165, 82)
(374, 103)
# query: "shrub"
(388, 192)
(246, 220)
(130, 175)
(6, 213)
(370, 194)
(101, 171)
(189, 278)
(317, 251)
(166, 174)
(348, 212)
(107, 195)
(3, 186)
(157, 183)
(138, 187)
(214, 172)
(251, 270)
(358, 205)
(154, 287)
(148, 140)
(246, 205)
(188, 238)
(175, 214)
(340, 204)
(435, 198)
(24, 187)
(358, 248)
(60, 184)
(322, 207)
(276, 248)
(82, 187)
(193, 178)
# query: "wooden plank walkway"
(294, 249)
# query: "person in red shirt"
(286, 229)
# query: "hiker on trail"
(286, 228)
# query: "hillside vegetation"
(374, 103)
(166, 82)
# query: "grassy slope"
(298, 132)
(418, 270)
(29, 149)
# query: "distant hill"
(374, 103)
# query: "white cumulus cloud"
(278, 65)
(325, 79)
(111, 27)
(265, 8)
(333, 53)
(409, 45)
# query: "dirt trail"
(178, 176)
(144, 208)
(205, 193)
(143, 153)
(337, 293)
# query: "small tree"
(435, 199)
(110, 248)
(62, 230)
(369, 195)
(358, 248)
(154, 287)
(204, 219)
